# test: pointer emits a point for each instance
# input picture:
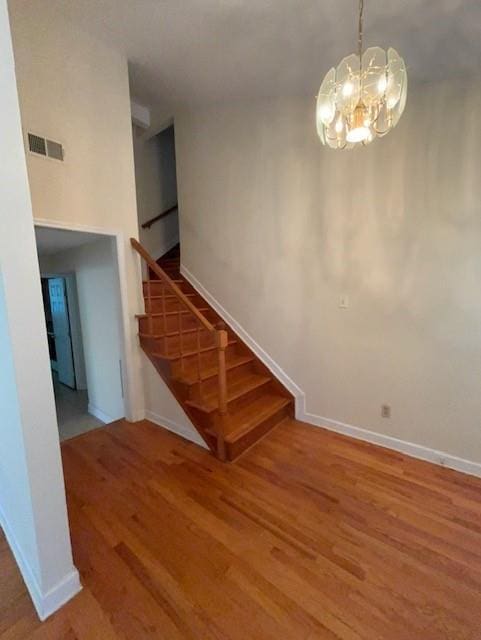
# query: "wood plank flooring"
(309, 535)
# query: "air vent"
(37, 144)
(54, 150)
(44, 147)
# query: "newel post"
(222, 341)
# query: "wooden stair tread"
(170, 295)
(178, 281)
(170, 334)
(171, 313)
(239, 423)
(235, 390)
(187, 354)
(209, 372)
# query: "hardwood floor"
(307, 536)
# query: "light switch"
(343, 301)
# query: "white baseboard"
(407, 448)
(269, 362)
(50, 601)
(180, 430)
(389, 442)
(99, 414)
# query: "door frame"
(127, 343)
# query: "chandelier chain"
(361, 10)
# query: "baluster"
(164, 320)
(199, 376)
(149, 308)
(222, 341)
(181, 341)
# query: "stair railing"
(149, 223)
(219, 336)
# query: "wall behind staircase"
(277, 228)
(156, 182)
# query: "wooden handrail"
(149, 223)
(160, 273)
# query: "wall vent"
(36, 144)
(44, 147)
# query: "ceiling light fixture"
(363, 98)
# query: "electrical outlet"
(343, 301)
(385, 411)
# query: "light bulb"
(382, 84)
(347, 89)
(358, 134)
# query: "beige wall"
(277, 227)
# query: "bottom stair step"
(252, 415)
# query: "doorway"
(81, 292)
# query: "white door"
(61, 330)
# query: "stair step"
(177, 282)
(172, 295)
(209, 372)
(159, 314)
(171, 334)
(236, 390)
(247, 418)
(186, 354)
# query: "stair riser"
(236, 404)
(157, 288)
(189, 342)
(156, 305)
(173, 345)
(207, 359)
(211, 385)
(172, 321)
(236, 448)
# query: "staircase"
(230, 396)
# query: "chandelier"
(363, 98)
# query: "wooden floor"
(308, 536)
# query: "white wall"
(75, 89)
(277, 227)
(95, 268)
(32, 497)
(156, 182)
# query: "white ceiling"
(50, 241)
(193, 51)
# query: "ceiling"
(197, 51)
(50, 241)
